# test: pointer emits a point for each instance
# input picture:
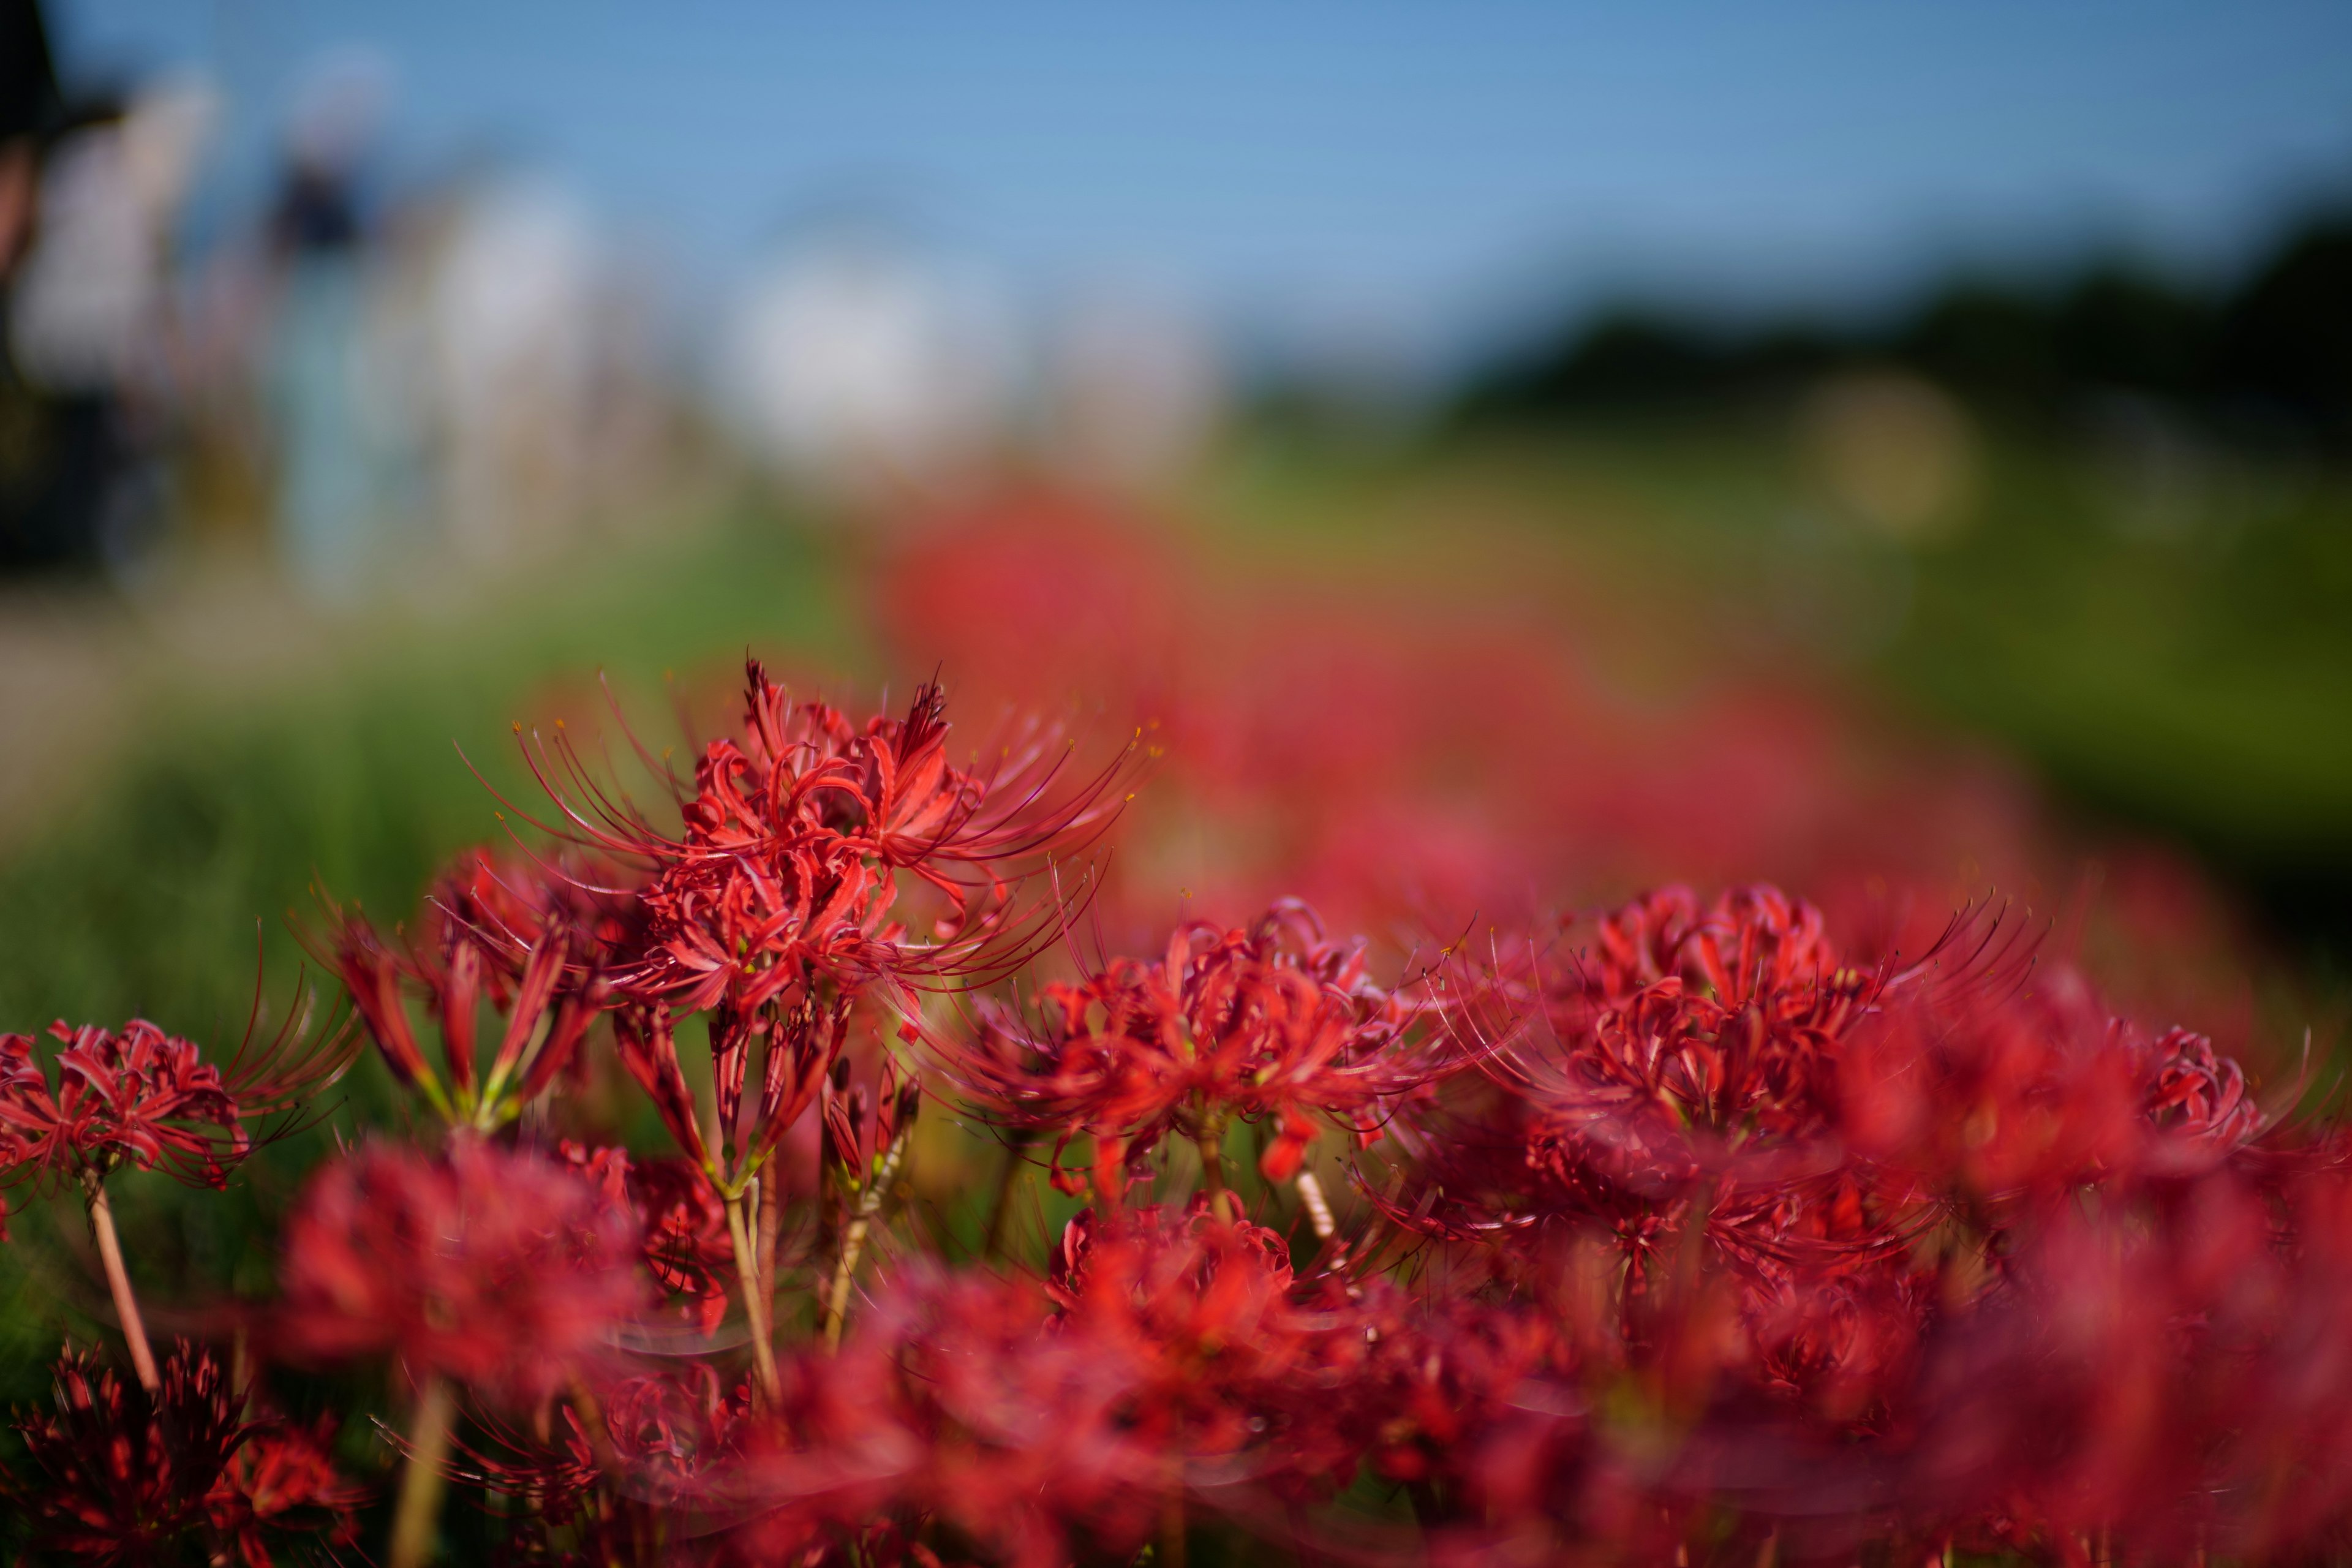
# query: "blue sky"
(1442, 161)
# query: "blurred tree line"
(2267, 359)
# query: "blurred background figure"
(29, 109)
(859, 366)
(330, 502)
(512, 311)
(28, 101)
(89, 212)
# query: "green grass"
(143, 896)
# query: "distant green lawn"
(226, 810)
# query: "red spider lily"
(606, 1487)
(1694, 1053)
(140, 1097)
(555, 1477)
(683, 1225)
(864, 1150)
(2157, 1379)
(124, 1476)
(280, 1483)
(144, 1098)
(1026, 1421)
(954, 1403)
(552, 988)
(1271, 1022)
(785, 875)
(1723, 1022)
(861, 1124)
(1716, 1093)
(1685, 1074)
(506, 903)
(500, 1270)
(1200, 1310)
(797, 1049)
(1445, 1390)
(117, 1474)
(670, 1432)
(2035, 1094)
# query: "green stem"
(771, 1224)
(852, 1240)
(999, 1211)
(1172, 1552)
(117, 1278)
(1213, 1175)
(417, 1517)
(747, 1270)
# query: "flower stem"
(771, 1223)
(1171, 1554)
(1001, 1211)
(747, 1270)
(1213, 1175)
(117, 1278)
(852, 1240)
(417, 1517)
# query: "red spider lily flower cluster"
(532, 953)
(116, 1475)
(504, 1270)
(773, 906)
(142, 1098)
(1698, 1230)
(1269, 1023)
(783, 877)
(680, 1225)
(1388, 750)
(138, 1097)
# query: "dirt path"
(82, 664)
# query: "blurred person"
(327, 500)
(28, 110)
(28, 104)
(510, 325)
(505, 367)
(858, 369)
(89, 328)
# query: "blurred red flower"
(683, 1227)
(499, 1269)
